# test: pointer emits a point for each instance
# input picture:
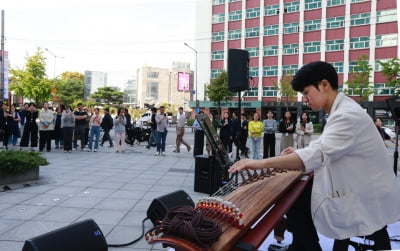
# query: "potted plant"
(20, 166)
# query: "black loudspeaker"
(238, 70)
(394, 106)
(160, 206)
(81, 236)
(207, 174)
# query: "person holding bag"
(354, 191)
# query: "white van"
(145, 117)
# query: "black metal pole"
(239, 112)
(396, 150)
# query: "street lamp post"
(195, 51)
(55, 60)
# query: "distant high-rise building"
(160, 85)
(93, 81)
(130, 92)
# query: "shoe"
(176, 151)
(83, 149)
(157, 154)
(89, 150)
(65, 151)
(163, 154)
(188, 148)
(61, 147)
(101, 144)
(147, 147)
(57, 147)
(116, 151)
(74, 149)
(111, 146)
(95, 150)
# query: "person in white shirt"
(354, 192)
(180, 131)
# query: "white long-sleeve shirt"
(350, 160)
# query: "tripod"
(396, 149)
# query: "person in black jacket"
(3, 124)
(225, 132)
(236, 133)
(31, 128)
(107, 124)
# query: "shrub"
(317, 128)
(20, 161)
(189, 122)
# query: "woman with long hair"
(255, 132)
(304, 129)
(287, 128)
(119, 131)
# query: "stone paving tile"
(62, 214)
(104, 216)
(30, 229)
(81, 202)
(15, 197)
(22, 212)
(116, 204)
(46, 200)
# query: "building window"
(289, 70)
(231, 1)
(354, 67)
(217, 55)
(215, 73)
(271, 10)
(289, 49)
(269, 71)
(252, 32)
(235, 15)
(335, 45)
(386, 40)
(152, 90)
(312, 4)
(334, 2)
(358, 1)
(378, 66)
(217, 36)
(218, 18)
(271, 50)
(335, 22)
(218, 2)
(253, 52)
(382, 90)
(253, 71)
(271, 30)
(235, 34)
(384, 16)
(290, 28)
(312, 25)
(252, 92)
(269, 91)
(359, 19)
(338, 66)
(359, 42)
(253, 13)
(311, 47)
(152, 74)
(291, 7)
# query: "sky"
(116, 37)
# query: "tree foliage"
(70, 87)
(391, 70)
(218, 90)
(31, 81)
(284, 87)
(108, 95)
(358, 83)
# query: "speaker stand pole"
(239, 114)
(396, 149)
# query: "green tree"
(31, 81)
(358, 83)
(108, 95)
(284, 87)
(218, 90)
(391, 70)
(70, 87)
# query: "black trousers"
(380, 238)
(269, 145)
(198, 142)
(45, 140)
(30, 133)
(299, 222)
(68, 133)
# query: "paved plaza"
(113, 189)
